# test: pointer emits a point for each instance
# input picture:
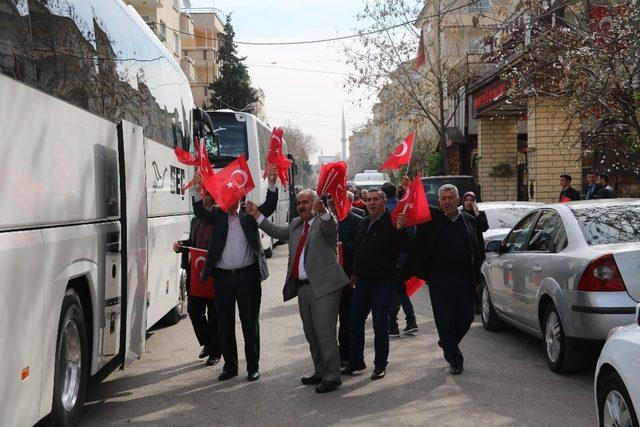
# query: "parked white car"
(568, 273)
(617, 379)
(501, 216)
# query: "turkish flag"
(276, 156)
(413, 284)
(230, 184)
(565, 199)
(421, 58)
(331, 175)
(340, 199)
(401, 155)
(197, 288)
(205, 165)
(185, 157)
(413, 204)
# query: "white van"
(370, 179)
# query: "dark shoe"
(378, 374)
(412, 328)
(226, 375)
(212, 360)
(353, 369)
(311, 380)
(327, 386)
(204, 353)
(253, 376)
(394, 331)
(456, 370)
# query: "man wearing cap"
(567, 192)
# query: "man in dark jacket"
(606, 191)
(567, 191)
(470, 206)
(400, 297)
(347, 229)
(202, 310)
(237, 263)
(446, 254)
(375, 260)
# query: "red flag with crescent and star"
(197, 287)
(401, 155)
(565, 199)
(333, 181)
(277, 157)
(413, 204)
(230, 184)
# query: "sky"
(314, 101)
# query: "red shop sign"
(489, 95)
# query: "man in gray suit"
(317, 280)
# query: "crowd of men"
(342, 271)
(377, 256)
(597, 188)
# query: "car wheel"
(71, 362)
(559, 354)
(490, 319)
(614, 404)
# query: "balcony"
(188, 66)
(155, 4)
(159, 28)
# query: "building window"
(163, 28)
(176, 44)
(476, 44)
(480, 5)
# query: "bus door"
(133, 216)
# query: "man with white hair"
(316, 278)
(445, 253)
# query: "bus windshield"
(229, 139)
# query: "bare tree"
(300, 145)
(590, 58)
(383, 61)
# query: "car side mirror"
(494, 246)
(638, 314)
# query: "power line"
(324, 40)
(296, 69)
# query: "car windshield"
(609, 224)
(505, 217)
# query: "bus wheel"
(71, 364)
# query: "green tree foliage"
(233, 89)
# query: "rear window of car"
(602, 225)
(506, 217)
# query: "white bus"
(243, 133)
(91, 108)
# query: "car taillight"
(602, 275)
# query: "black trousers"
(243, 288)
(202, 312)
(452, 298)
(344, 335)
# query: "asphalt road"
(506, 381)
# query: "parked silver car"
(567, 273)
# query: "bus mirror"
(197, 114)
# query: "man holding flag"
(201, 307)
(445, 253)
(316, 278)
(375, 269)
(235, 260)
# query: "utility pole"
(440, 84)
